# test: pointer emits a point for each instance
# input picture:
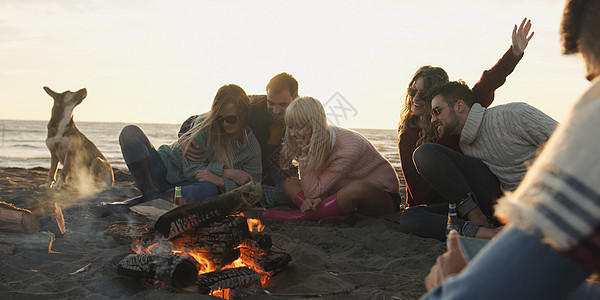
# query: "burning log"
(226, 279)
(258, 241)
(220, 260)
(198, 214)
(17, 219)
(219, 237)
(31, 241)
(172, 270)
(270, 261)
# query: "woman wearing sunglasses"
(231, 154)
(340, 170)
(427, 209)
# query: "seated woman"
(232, 154)
(427, 212)
(340, 170)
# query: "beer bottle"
(452, 219)
(178, 198)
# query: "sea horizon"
(22, 142)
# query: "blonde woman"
(340, 170)
(232, 154)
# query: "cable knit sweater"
(506, 138)
(352, 157)
(560, 195)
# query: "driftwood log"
(174, 271)
(28, 241)
(17, 219)
(220, 237)
(199, 214)
(226, 279)
(50, 216)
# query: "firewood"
(17, 219)
(220, 260)
(198, 214)
(174, 271)
(218, 237)
(226, 279)
(270, 261)
(258, 241)
(28, 241)
(50, 217)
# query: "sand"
(368, 260)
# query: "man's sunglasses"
(228, 119)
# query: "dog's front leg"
(51, 173)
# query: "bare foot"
(487, 233)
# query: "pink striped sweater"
(353, 157)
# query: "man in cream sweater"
(498, 143)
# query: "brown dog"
(82, 162)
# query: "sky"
(150, 61)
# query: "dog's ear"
(50, 92)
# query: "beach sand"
(368, 260)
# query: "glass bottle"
(178, 198)
(452, 223)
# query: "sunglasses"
(412, 91)
(228, 119)
(436, 111)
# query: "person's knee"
(127, 133)
(424, 152)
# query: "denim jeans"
(516, 265)
(430, 222)
(136, 146)
(455, 175)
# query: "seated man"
(266, 122)
(498, 144)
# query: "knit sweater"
(560, 195)
(352, 157)
(418, 190)
(506, 138)
(247, 160)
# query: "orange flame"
(202, 257)
(255, 225)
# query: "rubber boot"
(299, 199)
(326, 209)
(141, 171)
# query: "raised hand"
(520, 38)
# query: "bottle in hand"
(452, 223)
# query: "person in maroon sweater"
(415, 129)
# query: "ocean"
(22, 143)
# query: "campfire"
(207, 247)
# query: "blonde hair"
(308, 111)
(218, 143)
